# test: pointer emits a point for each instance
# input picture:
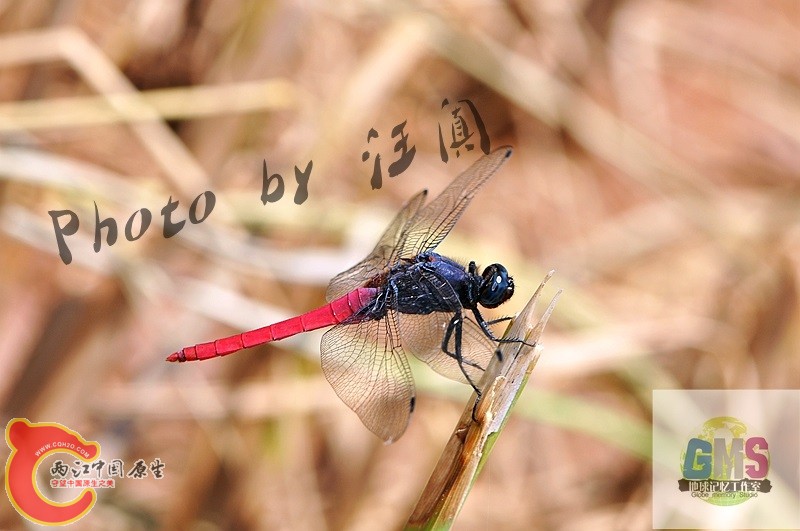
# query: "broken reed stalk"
(473, 439)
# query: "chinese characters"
(406, 155)
(462, 131)
(76, 476)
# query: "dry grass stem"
(480, 424)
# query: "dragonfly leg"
(455, 326)
(475, 408)
(484, 324)
(459, 358)
(499, 320)
(497, 352)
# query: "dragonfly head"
(497, 286)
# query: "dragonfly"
(402, 298)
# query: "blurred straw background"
(656, 168)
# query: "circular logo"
(724, 466)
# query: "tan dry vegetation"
(656, 168)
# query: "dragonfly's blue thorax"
(431, 283)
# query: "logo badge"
(723, 465)
(726, 459)
(30, 444)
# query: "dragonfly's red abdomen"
(332, 313)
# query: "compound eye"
(497, 286)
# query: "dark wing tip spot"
(412, 403)
(509, 150)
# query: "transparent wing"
(366, 366)
(422, 335)
(415, 229)
(432, 223)
(381, 255)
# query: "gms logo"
(722, 465)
